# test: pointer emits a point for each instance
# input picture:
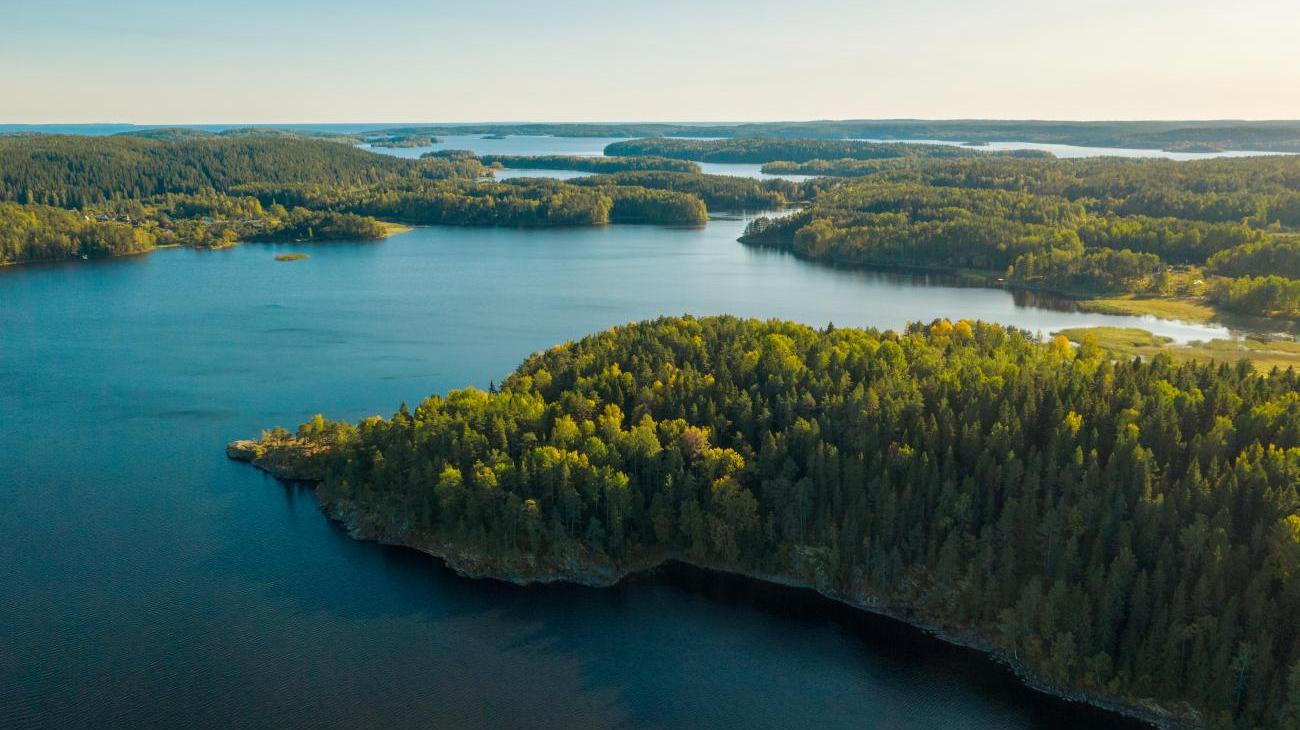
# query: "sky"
(282, 61)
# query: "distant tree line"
(1187, 136)
(76, 172)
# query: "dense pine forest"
(1130, 529)
(75, 172)
(1222, 230)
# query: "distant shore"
(390, 229)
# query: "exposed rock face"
(243, 450)
(292, 459)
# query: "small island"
(292, 257)
(399, 141)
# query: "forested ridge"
(1220, 230)
(1127, 529)
(65, 196)
(75, 172)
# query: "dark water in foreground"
(147, 581)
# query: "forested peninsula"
(1125, 532)
(1140, 236)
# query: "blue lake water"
(149, 581)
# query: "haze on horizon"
(281, 61)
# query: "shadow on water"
(717, 627)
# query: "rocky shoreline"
(590, 571)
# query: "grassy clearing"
(1187, 310)
(1130, 342)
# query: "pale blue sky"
(150, 61)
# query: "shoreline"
(529, 571)
(391, 228)
(1171, 309)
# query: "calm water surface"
(149, 581)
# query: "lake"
(150, 581)
(595, 146)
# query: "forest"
(75, 197)
(514, 202)
(1213, 230)
(1129, 529)
(76, 172)
(43, 233)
